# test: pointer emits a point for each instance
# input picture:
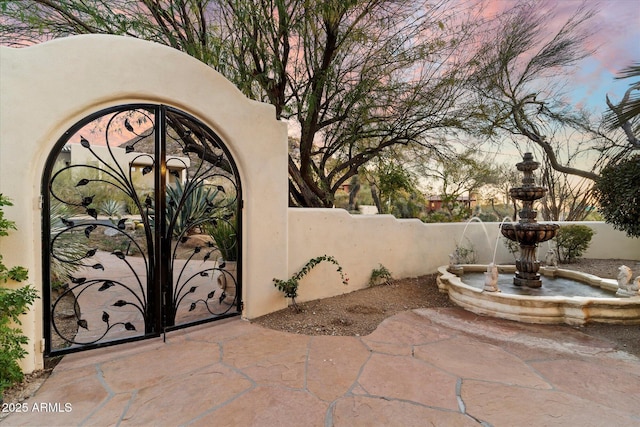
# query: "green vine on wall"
(13, 303)
(290, 286)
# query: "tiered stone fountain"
(528, 232)
(560, 296)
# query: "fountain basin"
(571, 310)
(529, 233)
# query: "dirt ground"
(359, 313)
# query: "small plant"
(224, 233)
(13, 303)
(465, 255)
(572, 241)
(380, 276)
(290, 287)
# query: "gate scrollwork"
(141, 226)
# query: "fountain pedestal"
(528, 232)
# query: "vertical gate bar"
(163, 242)
(239, 222)
(154, 294)
(153, 298)
(46, 261)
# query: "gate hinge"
(40, 201)
(241, 305)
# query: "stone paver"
(369, 411)
(584, 379)
(157, 367)
(268, 407)
(424, 367)
(212, 385)
(269, 357)
(333, 366)
(478, 360)
(504, 405)
(405, 378)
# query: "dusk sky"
(617, 39)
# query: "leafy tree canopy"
(618, 192)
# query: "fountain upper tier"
(528, 193)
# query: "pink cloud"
(615, 39)
(616, 27)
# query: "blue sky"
(618, 46)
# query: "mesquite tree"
(520, 72)
(355, 77)
(519, 68)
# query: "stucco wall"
(49, 87)
(407, 248)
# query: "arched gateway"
(141, 228)
(124, 160)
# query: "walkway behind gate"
(422, 367)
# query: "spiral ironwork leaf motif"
(193, 158)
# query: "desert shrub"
(465, 254)
(572, 241)
(70, 245)
(487, 216)
(13, 303)
(111, 208)
(618, 193)
(434, 217)
(380, 275)
(290, 286)
(225, 234)
(190, 206)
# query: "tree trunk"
(376, 199)
(353, 192)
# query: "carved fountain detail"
(528, 232)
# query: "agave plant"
(111, 208)
(190, 206)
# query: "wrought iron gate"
(141, 228)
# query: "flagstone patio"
(420, 367)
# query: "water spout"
(484, 228)
(495, 248)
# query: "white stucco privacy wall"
(48, 88)
(406, 247)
